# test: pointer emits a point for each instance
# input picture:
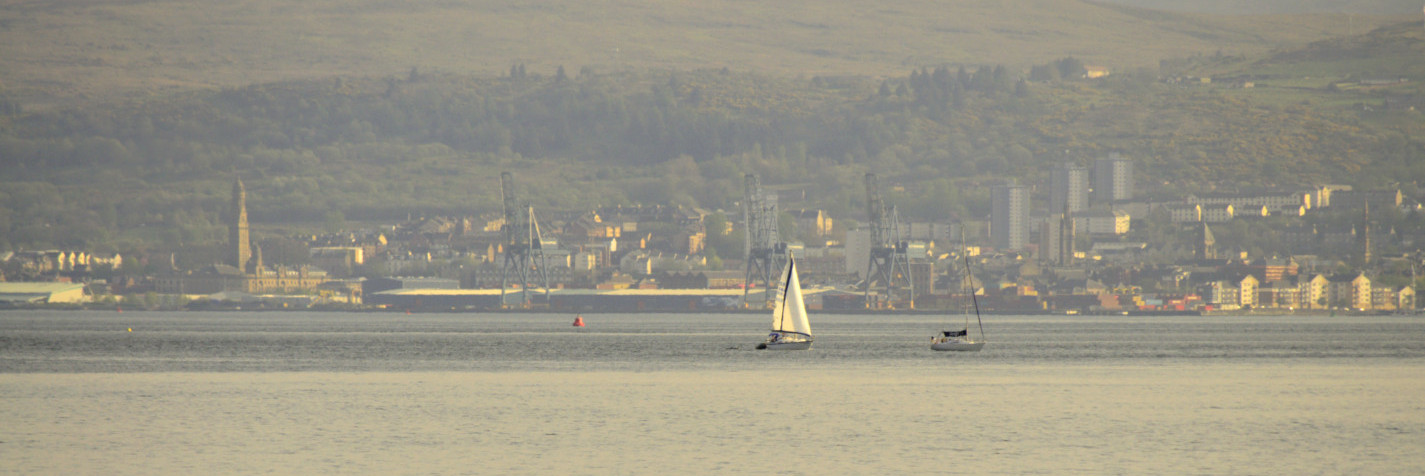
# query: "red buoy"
(578, 321)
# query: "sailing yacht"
(790, 328)
(960, 340)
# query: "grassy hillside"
(1392, 51)
(1242, 7)
(63, 52)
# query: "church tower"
(237, 228)
(1205, 246)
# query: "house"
(1218, 213)
(1405, 298)
(1313, 292)
(691, 239)
(1382, 81)
(590, 227)
(1357, 199)
(1251, 211)
(812, 222)
(1350, 291)
(1271, 269)
(1279, 294)
(337, 258)
(1247, 289)
(1189, 213)
(1271, 200)
(1403, 103)
(1392, 298)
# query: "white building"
(1113, 179)
(1068, 186)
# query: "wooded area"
(154, 171)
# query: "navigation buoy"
(131, 329)
(578, 321)
(408, 311)
(121, 310)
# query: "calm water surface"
(375, 393)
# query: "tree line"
(383, 148)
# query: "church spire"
(1366, 256)
(241, 250)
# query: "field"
(71, 52)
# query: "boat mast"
(971, 279)
(785, 294)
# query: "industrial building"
(41, 293)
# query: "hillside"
(77, 51)
(155, 173)
(1246, 7)
(1392, 51)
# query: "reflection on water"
(330, 393)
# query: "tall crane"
(765, 252)
(524, 250)
(889, 265)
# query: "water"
(374, 393)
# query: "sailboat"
(790, 328)
(960, 340)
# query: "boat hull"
(957, 346)
(801, 345)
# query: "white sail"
(791, 312)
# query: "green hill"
(1242, 7)
(54, 53)
(153, 171)
(1392, 51)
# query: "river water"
(385, 393)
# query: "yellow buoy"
(131, 329)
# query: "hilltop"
(56, 53)
(1391, 51)
(1242, 7)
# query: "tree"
(1070, 67)
(335, 221)
(721, 239)
(1043, 73)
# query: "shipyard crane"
(888, 266)
(765, 252)
(524, 250)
